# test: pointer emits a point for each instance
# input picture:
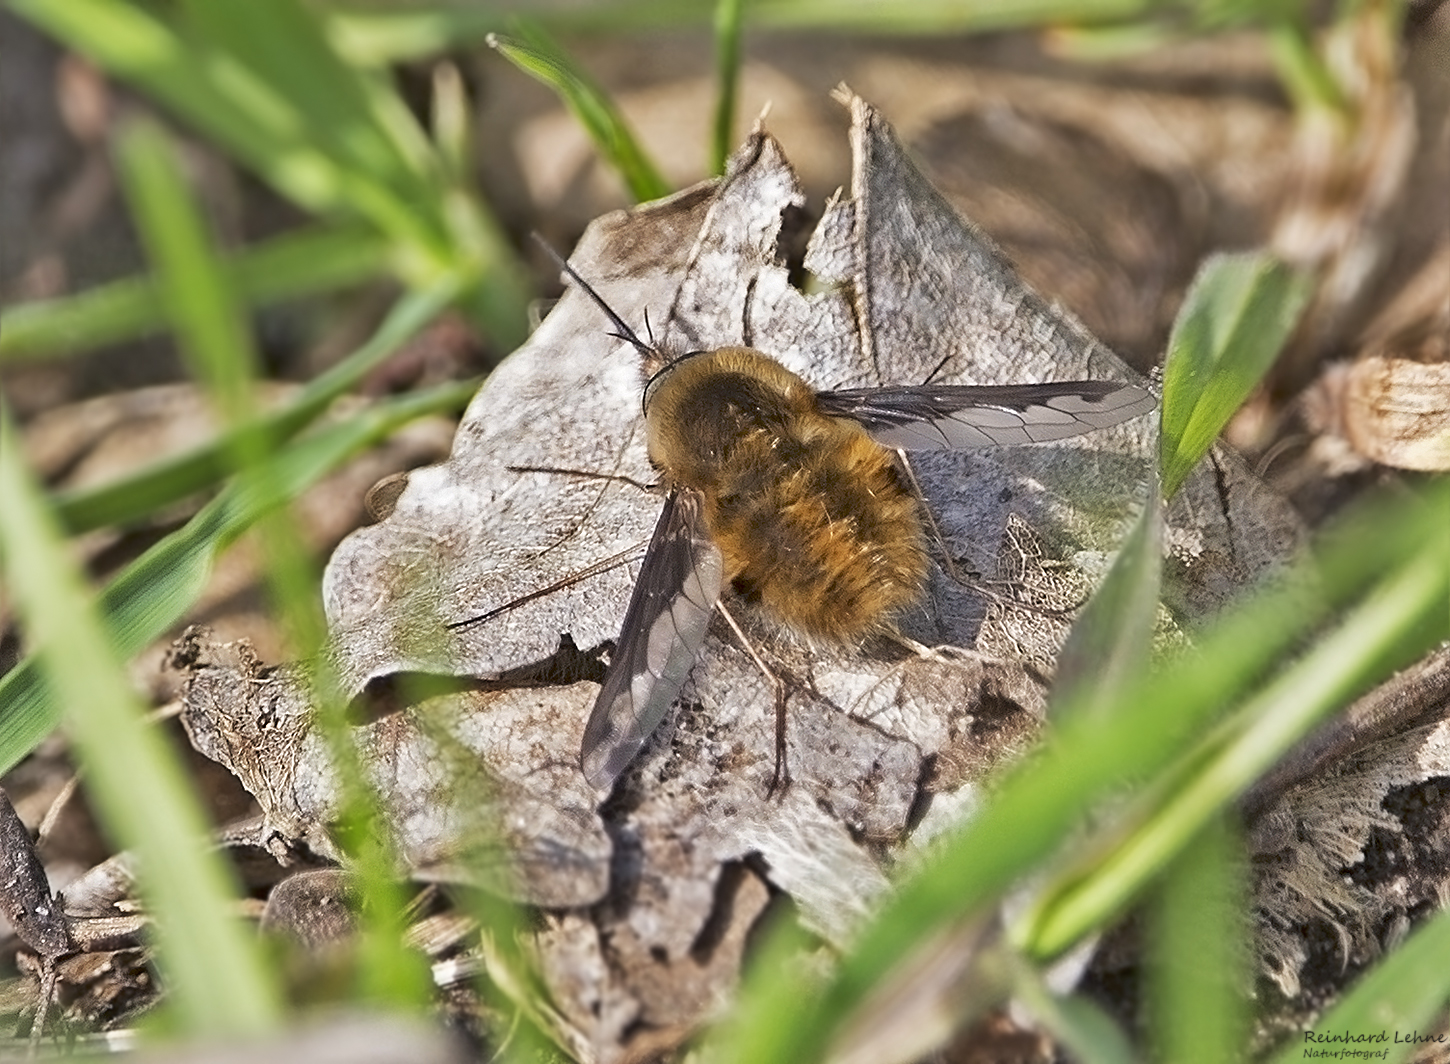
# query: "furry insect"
(795, 500)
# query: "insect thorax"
(813, 519)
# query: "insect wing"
(948, 417)
(664, 629)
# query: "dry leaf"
(1390, 410)
(548, 476)
(1335, 862)
(1348, 835)
(1392, 405)
(548, 846)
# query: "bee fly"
(795, 500)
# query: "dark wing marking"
(943, 417)
(664, 629)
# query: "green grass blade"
(135, 497)
(343, 144)
(542, 59)
(1080, 1026)
(217, 345)
(1235, 320)
(1402, 618)
(298, 264)
(213, 337)
(452, 121)
(385, 167)
(218, 983)
(152, 594)
(1303, 71)
(383, 35)
(1198, 947)
(210, 90)
(1112, 637)
(729, 26)
(380, 160)
(940, 16)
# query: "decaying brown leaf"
(1341, 868)
(548, 476)
(258, 722)
(1348, 834)
(1392, 404)
(1393, 411)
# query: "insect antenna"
(939, 367)
(621, 330)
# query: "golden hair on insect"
(814, 520)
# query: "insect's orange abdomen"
(812, 518)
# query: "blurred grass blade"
(217, 980)
(301, 263)
(729, 26)
(212, 336)
(382, 163)
(1112, 637)
(1198, 948)
(1402, 618)
(1380, 556)
(217, 346)
(540, 58)
(380, 38)
(379, 35)
(386, 169)
(453, 121)
(217, 93)
(920, 1004)
(1078, 1025)
(282, 42)
(1109, 42)
(264, 82)
(939, 16)
(170, 480)
(1303, 71)
(1235, 320)
(758, 1020)
(154, 592)
(1402, 996)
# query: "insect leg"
(780, 778)
(586, 474)
(623, 557)
(602, 566)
